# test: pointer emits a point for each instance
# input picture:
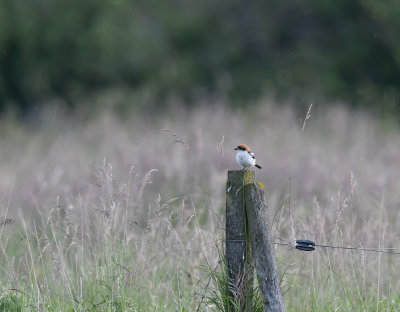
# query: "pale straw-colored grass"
(118, 214)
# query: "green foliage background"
(304, 50)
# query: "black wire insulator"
(305, 244)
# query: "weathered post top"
(237, 176)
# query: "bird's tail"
(258, 166)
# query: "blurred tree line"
(304, 50)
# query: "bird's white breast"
(244, 159)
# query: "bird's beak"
(235, 149)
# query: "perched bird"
(245, 157)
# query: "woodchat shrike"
(245, 157)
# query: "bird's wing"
(251, 154)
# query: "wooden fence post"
(247, 237)
(237, 252)
(262, 249)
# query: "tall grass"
(120, 215)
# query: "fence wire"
(393, 251)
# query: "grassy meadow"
(127, 214)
